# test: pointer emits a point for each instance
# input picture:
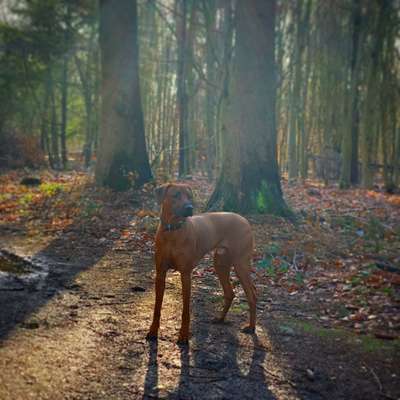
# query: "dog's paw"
(183, 338)
(151, 337)
(249, 330)
(182, 341)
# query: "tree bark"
(349, 173)
(249, 180)
(122, 156)
(182, 95)
(210, 10)
(64, 109)
(54, 137)
(64, 88)
(224, 77)
(88, 82)
(371, 119)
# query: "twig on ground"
(294, 264)
(380, 387)
(376, 379)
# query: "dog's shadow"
(151, 379)
(219, 362)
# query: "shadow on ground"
(78, 247)
(219, 363)
(223, 363)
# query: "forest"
(284, 111)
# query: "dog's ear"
(160, 192)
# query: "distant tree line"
(239, 91)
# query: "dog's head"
(175, 198)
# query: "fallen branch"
(380, 387)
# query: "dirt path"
(82, 337)
(80, 334)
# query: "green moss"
(267, 200)
(261, 199)
(367, 343)
(318, 330)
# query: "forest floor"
(76, 299)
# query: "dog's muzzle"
(188, 210)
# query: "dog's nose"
(188, 210)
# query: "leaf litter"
(337, 265)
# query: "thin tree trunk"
(64, 90)
(225, 78)
(210, 10)
(182, 95)
(64, 100)
(55, 152)
(349, 173)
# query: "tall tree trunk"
(44, 120)
(396, 157)
(44, 126)
(294, 128)
(54, 137)
(303, 98)
(96, 102)
(122, 155)
(85, 76)
(223, 99)
(349, 173)
(165, 134)
(182, 95)
(64, 88)
(249, 180)
(292, 137)
(64, 99)
(191, 89)
(210, 10)
(371, 118)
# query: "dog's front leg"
(186, 279)
(160, 287)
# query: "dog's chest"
(177, 250)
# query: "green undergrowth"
(50, 189)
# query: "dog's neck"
(170, 221)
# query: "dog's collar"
(173, 227)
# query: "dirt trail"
(81, 334)
(86, 341)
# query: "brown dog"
(182, 240)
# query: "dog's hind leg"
(242, 270)
(222, 268)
